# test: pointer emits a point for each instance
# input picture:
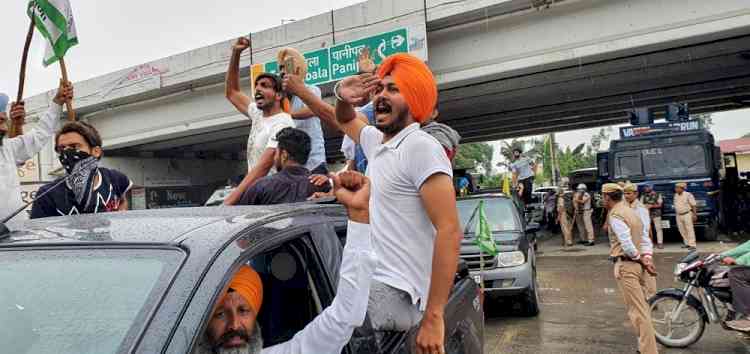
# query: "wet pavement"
(582, 309)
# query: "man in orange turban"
(412, 188)
(232, 324)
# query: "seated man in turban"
(233, 328)
(414, 218)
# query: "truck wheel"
(530, 299)
(711, 231)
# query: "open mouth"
(382, 107)
(258, 98)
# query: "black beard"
(396, 126)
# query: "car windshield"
(669, 161)
(500, 214)
(79, 301)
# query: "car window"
(79, 301)
(290, 277)
(500, 214)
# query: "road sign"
(344, 56)
(335, 63)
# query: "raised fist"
(64, 93)
(17, 113)
(241, 44)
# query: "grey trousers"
(391, 309)
(739, 280)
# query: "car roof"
(153, 226)
(484, 196)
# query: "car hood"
(506, 241)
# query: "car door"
(221, 270)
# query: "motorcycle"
(680, 316)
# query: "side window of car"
(289, 276)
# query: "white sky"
(118, 34)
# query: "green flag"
(483, 235)
(54, 20)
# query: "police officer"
(647, 247)
(684, 207)
(583, 215)
(565, 215)
(624, 229)
(653, 201)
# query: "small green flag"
(484, 239)
(54, 20)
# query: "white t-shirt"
(263, 132)
(348, 148)
(403, 234)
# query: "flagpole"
(68, 104)
(22, 74)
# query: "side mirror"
(532, 228)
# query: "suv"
(512, 273)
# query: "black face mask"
(69, 158)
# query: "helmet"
(582, 187)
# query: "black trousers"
(739, 280)
(527, 185)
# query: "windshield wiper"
(471, 218)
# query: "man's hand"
(64, 93)
(293, 84)
(729, 261)
(365, 62)
(17, 113)
(318, 180)
(648, 265)
(318, 195)
(357, 88)
(241, 44)
(352, 189)
(431, 335)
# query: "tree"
(746, 136)
(705, 118)
(472, 155)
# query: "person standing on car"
(739, 281)
(686, 214)
(523, 175)
(19, 149)
(565, 212)
(583, 215)
(653, 202)
(625, 228)
(414, 220)
(647, 246)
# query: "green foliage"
(494, 181)
(705, 118)
(472, 155)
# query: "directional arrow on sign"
(397, 41)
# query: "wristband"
(336, 91)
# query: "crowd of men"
(397, 187)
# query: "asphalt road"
(582, 309)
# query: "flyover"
(506, 68)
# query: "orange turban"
(415, 81)
(247, 283)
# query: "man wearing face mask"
(18, 149)
(88, 189)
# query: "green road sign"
(338, 62)
(344, 56)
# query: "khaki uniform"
(649, 281)
(650, 199)
(683, 204)
(566, 221)
(583, 217)
(631, 277)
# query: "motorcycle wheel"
(685, 329)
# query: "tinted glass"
(78, 301)
(628, 164)
(674, 161)
(500, 214)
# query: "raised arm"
(258, 171)
(27, 145)
(315, 105)
(232, 83)
(330, 331)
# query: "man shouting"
(413, 217)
